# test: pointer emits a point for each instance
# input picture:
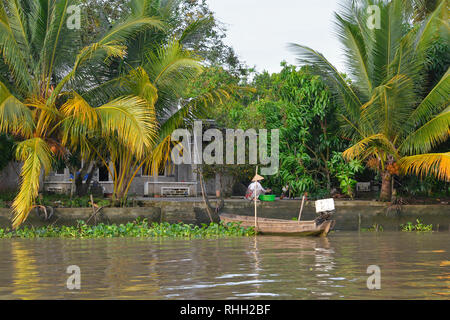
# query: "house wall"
(10, 177)
(182, 175)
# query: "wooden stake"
(301, 208)
(205, 196)
(256, 213)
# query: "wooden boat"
(282, 227)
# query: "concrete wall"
(9, 177)
(350, 215)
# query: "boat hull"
(281, 227)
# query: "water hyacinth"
(136, 229)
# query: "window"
(103, 174)
(60, 168)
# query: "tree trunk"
(386, 180)
(84, 188)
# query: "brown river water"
(412, 265)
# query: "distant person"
(285, 192)
(255, 189)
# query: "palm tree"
(162, 80)
(40, 74)
(392, 123)
(158, 68)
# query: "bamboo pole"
(301, 208)
(256, 213)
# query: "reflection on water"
(413, 266)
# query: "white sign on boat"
(324, 205)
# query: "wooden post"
(205, 197)
(256, 213)
(301, 208)
(92, 204)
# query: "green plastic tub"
(267, 197)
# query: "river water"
(412, 266)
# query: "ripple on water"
(412, 267)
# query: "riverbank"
(349, 216)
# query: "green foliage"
(191, 21)
(297, 103)
(419, 227)
(437, 63)
(393, 111)
(300, 105)
(136, 229)
(345, 172)
(426, 187)
(8, 196)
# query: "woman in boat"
(255, 188)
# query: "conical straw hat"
(257, 178)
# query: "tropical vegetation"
(111, 93)
(418, 226)
(136, 229)
(114, 100)
(395, 126)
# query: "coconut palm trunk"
(386, 186)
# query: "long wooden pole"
(205, 196)
(301, 208)
(256, 213)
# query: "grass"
(136, 229)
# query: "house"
(175, 180)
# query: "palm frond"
(13, 55)
(309, 56)
(195, 30)
(159, 155)
(435, 25)
(35, 154)
(437, 164)
(431, 134)
(436, 101)
(58, 41)
(15, 117)
(351, 31)
(359, 150)
(19, 26)
(130, 27)
(131, 121)
(171, 69)
(77, 108)
(89, 54)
